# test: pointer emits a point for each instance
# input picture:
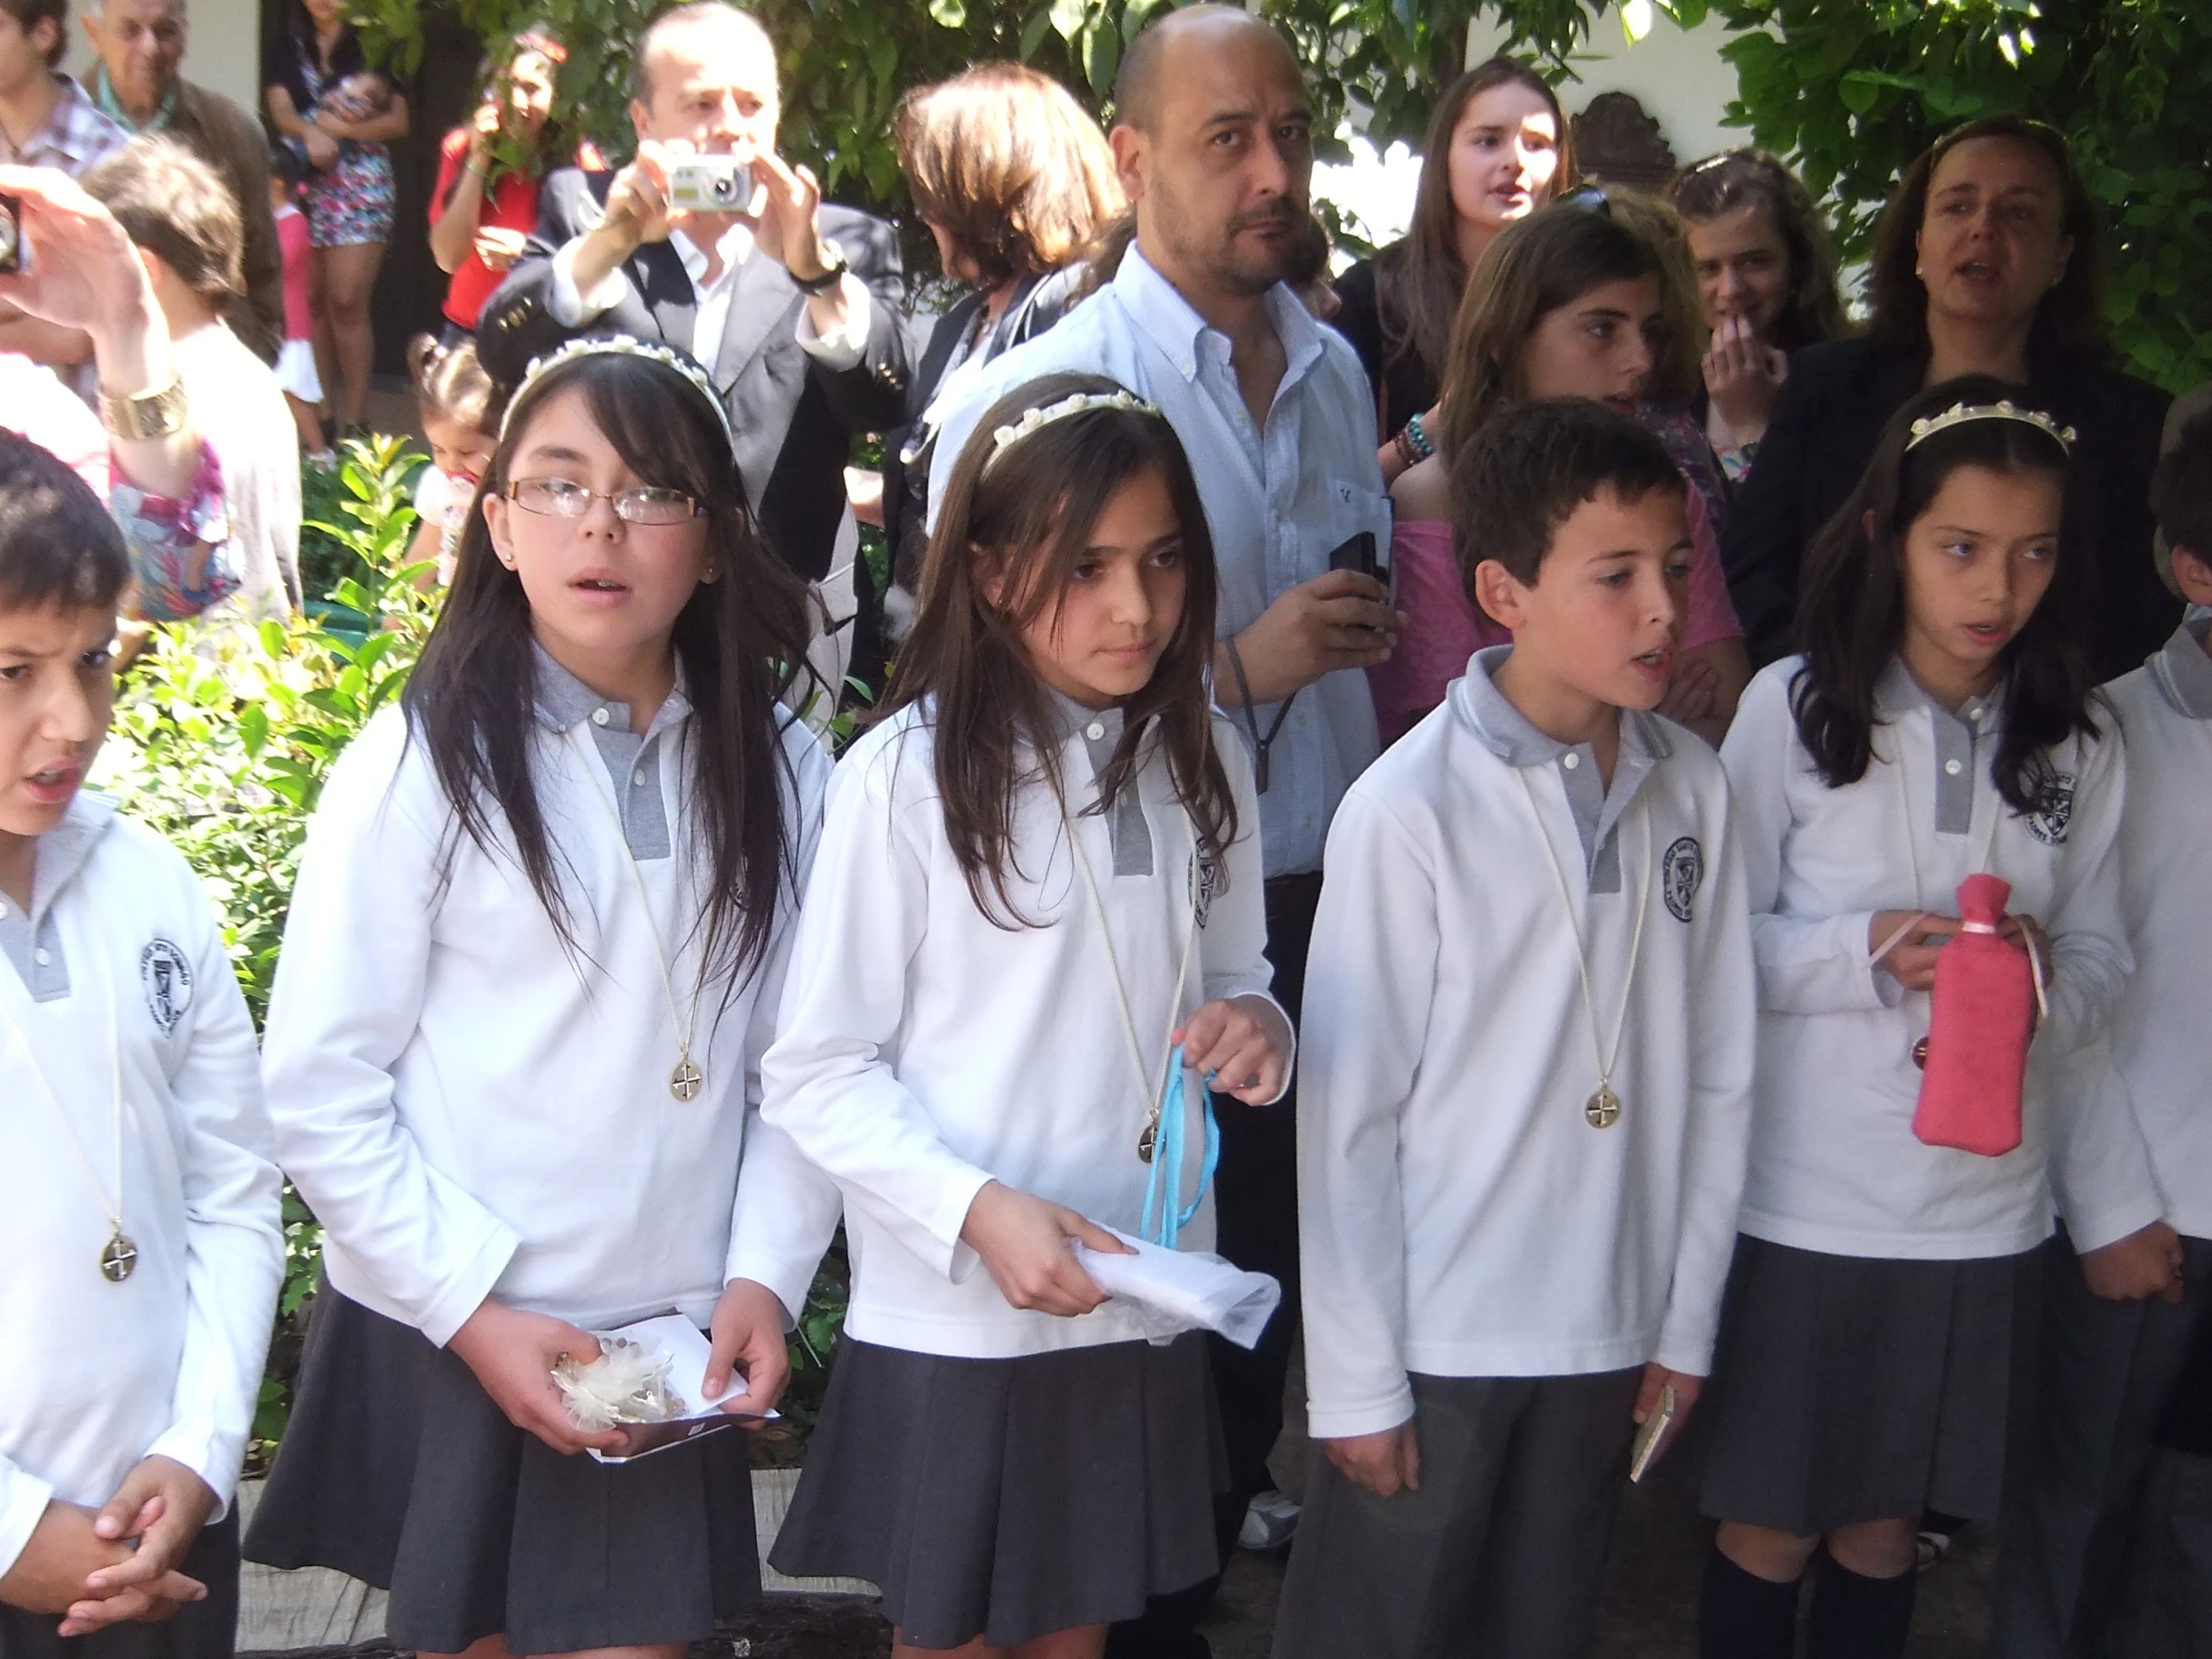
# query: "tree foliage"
(1856, 91)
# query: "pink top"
(292, 237)
(1444, 627)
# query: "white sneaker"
(1269, 1523)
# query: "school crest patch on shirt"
(1681, 873)
(1207, 879)
(2049, 821)
(165, 972)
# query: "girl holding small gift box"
(1940, 725)
(532, 963)
(1034, 927)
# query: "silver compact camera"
(11, 234)
(712, 184)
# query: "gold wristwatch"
(145, 414)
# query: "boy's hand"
(1384, 1462)
(1024, 1240)
(163, 1505)
(63, 1555)
(1657, 1379)
(513, 1355)
(749, 1340)
(1245, 1040)
(2145, 1263)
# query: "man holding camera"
(712, 242)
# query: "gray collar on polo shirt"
(1100, 733)
(1958, 735)
(1598, 809)
(31, 940)
(564, 703)
(2184, 672)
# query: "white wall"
(1678, 75)
(224, 50)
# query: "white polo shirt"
(1460, 1216)
(925, 1050)
(473, 1109)
(168, 1362)
(1834, 1165)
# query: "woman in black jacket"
(1989, 259)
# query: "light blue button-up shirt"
(1278, 498)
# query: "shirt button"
(42, 957)
(638, 778)
(1951, 768)
(599, 716)
(1570, 761)
(1095, 730)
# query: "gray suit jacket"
(795, 417)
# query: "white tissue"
(1173, 1290)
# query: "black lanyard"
(1260, 745)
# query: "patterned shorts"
(351, 202)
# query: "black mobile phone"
(11, 233)
(1357, 552)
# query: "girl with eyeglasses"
(534, 955)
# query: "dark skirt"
(399, 1471)
(1009, 1498)
(200, 1630)
(1847, 1389)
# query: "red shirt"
(510, 204)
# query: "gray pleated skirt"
(399, 1471)
(1848, 1389)
(200, 1630)
(1009, 1498)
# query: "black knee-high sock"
(1743, 1616)
(1855, 1617)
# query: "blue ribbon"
(1161, 1183)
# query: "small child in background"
(457, 404)
(295, 370)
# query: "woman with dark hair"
(324, 97)
(1766, 281)
(1496, 150)
(1990, 258)
(1016, 184)
(485, 203)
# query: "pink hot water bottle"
(1977, 1037)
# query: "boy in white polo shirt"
(2083, 1536)
(140, 1246)
(1527, 1063)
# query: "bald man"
(793, 305)
(1214, 144)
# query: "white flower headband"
(2003, 409)
(1033, 420)
(621, 345)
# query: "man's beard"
(1247, 270)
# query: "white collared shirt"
(470, 1106)
(572, 308)
(1459, 1215)
(2161, 1039)
(1834, 1165)
(1278, 498)
(924, 1049)
(100, 1375)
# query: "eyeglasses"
(565, 498)
(1589, 199)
